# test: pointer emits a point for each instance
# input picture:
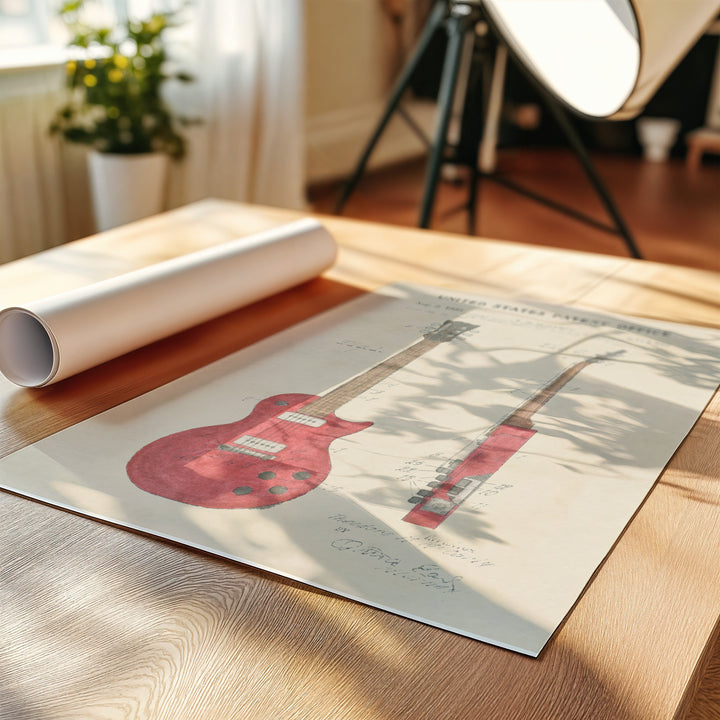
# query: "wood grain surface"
(99, 622)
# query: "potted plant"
(115, 106)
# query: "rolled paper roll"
(53, 338)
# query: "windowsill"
(37, 57)
(31, 58)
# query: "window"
(32, 34)
(24, 23)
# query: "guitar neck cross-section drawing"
(277, 453)
(462, 476)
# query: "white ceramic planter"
(657, 135)
(126, 187)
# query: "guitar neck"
(356, 386)
(522, 417)
(342, 394)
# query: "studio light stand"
(460, 18)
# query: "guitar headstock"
(449, 330)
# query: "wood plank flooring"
(672, 212)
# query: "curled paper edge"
(47, 340)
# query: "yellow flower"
(71, 66)
(120, 61)
(155, 24)
(90, 80)
(89, 63)
(115, 75)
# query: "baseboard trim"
(335, 140)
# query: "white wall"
(352, 59)
(352, 55)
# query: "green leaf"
(117, 105)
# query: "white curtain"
(32, 206)
(249, 144)
(248, 60)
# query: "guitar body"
(275, 454)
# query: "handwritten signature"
(428, 574)
(343, 520)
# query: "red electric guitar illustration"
(463, 476)
(277, 453)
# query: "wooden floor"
(673, 213)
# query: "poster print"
(462, 461)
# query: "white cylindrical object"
(50, 339)
(126, 188)
(657, 136)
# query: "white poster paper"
(463, 461)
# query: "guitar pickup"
(257, 443)
(254, 446)
(300, 419)
(439, 506)
(457, 494)
(246, 451)
(470, 484)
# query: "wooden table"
(99, 622)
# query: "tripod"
(460, 17)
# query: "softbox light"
(602, 58)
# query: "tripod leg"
(457, 25)
(577, 145)
(434, 21)
(473, 192)
(493, 110)
(482, 127)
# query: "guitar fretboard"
(352, 388)
(522, 417)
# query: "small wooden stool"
(699, 142)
